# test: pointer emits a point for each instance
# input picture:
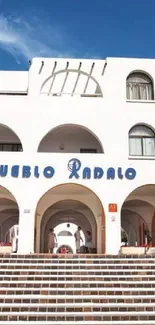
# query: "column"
(26, 231)
(99, 235)
(113, 232)
(38, 233)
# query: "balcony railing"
(11, 147)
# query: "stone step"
(76, 284)
(75, 277)
(61, 300)
(80, 265)
(79, 316)
(74, 305)
(77, 260)
(76, 271)
(71, 291)
(72, 256)
(76, 308)
(77, 289)
(89, 322)
(145, 322)
(119, 297)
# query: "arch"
(72, 191)
(64, 241)
(9, 212)
(140, 206)
(141, 140)
(9, 141)
(139, 86)
(71, 138)
(68, 81)
(78, 217)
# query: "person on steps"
(52, 240)
(77, 236)
(88, 242)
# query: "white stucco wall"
(31, 117)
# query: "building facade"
(77, 145)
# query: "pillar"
(113, 232)
(38, 222)
(99, 235)
(26, 231)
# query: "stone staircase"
(77, 289)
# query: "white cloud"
(23, 39)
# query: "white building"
(77, 142)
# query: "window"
(141, 141)
(88, 150)
(10, 147)
(139, 87)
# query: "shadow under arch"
(11, 141)
(79, 186)
(73, 130)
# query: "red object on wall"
(112, 207)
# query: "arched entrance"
(137, 215)
(70, 138)
(70, 203)
(9, 214)
(9, 141)
(65, 237)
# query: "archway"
(70, 203)
(9, 141)
(137, 215)
(9, 215)
(70, 138)
(65, 236)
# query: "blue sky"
(75, 28)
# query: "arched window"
(139, 86)
(65, 233)
(141, 141)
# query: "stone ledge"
(133, 251)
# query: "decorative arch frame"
(67, 71)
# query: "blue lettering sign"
(74, 167)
